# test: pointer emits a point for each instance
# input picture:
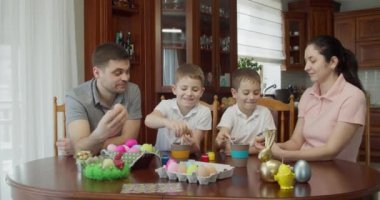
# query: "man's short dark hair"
(106, 52)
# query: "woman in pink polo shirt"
(332, 112)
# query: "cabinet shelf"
(173, 46)
(174, 12)
(117, 10)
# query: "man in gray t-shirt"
(107, 109)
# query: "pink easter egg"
(126, 148)
(130, 142)
(120, 149)
(172, 166)
(111, 147)
(169, 163)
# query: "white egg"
(302, 171)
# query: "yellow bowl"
(180, 152)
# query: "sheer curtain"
(37, 61)
(260, 36)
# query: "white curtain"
(260, 36)
(37, 61)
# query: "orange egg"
(182, 167)
(202, 171)
(211, 169)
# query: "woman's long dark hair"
(329, 46)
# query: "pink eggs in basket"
(131, 142)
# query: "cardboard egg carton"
(222, 171)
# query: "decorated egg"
(211, 169)
(107, 163)
(182, 167)
(172, 166)
(120, 149)
(126, 148)
(302, 171)
(147, 147)
(111, 147)
(202, 171)
(130, 142)
(134, 150)
(137, 146)
(191, 168)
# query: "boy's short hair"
(106, 52)
(244, 74)
(190, 70)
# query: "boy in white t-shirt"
(182, 119)
(244, 120)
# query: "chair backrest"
(367, 133)
(58, 108)
(209, 139)
(281, 108)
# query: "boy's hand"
(259, 142)
(178, 127)
(112, 122)
(222, 138)
(227, 149)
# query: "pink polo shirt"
(342, 103)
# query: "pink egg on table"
(172, 166)
(130, 142)
(120, 149)
(111, 147)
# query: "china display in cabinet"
(294, 40)
(201, 32)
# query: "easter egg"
(191, 168)
(111, 147)
(211, 169)
(130, 142)
(172, 166)
(202, 171)
(182, 167)
(134, 150)
(147, 148)
(120, 149)
(302, 171)
(126, 148)
(107, 163)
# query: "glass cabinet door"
(207, 61)
(173, 38)
(294, 40)
(224, 30)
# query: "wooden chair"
(281, 108)
(58, 108)
(367, 134)
(214, 107)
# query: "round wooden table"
(58, 178)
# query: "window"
(260, 36)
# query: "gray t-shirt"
(83, 102)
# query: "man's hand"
(112, 122)
(64, 146)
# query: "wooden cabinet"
(201, 32)
(294, 42)
(312, 18)
(374, 136)
(359, 31)
(102, 20)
